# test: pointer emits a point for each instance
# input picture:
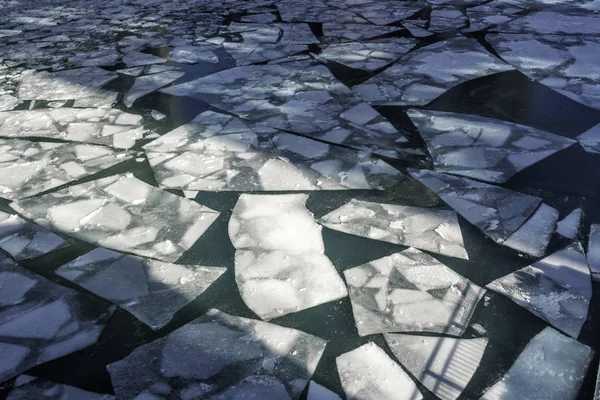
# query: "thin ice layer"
(29, 168)
(410, 291)
(149, 83)
(219, 152)
(319, 392)
(569, 226)
(534, 235)
(593, 250)
(424, 74)
(122, 213)
(24, 240)
(109, 127)
(368, 373)
(42, 389)
(557, 289)
(424, 228)
(220, 356)
(301, 97)
(280, 262)
(483, 148)
(498, 212)
(443, 365)
(64, 85)
(552, 367)
(41, 320)
(151, 290)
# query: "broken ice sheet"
(557, 289)
(535, 234)
(424, 228)
(136, 58)
(220, 356)
(151, 290)
(24, 240)
(28, 168)
(319, 392)
(568, 64)
(443, 365)
(498, 212)
(251, 53)
(41, 320)
(64, 85)
(483, 148)
(123, 213)
(301, 97)
(382, 12)
(109, 127)
(220, 152)
(551, 367)
(410, 291)
(369, 56)
(590, 139)
(8, 102)
(593, 251)
(368, 373)
(490, 14)
(40, 389)
(272, 33)
(315, 11)
(569, 226)
(424, 74)
(194, 54)
(344, 32)
(446, 18)
(548, 22)
(280, 262)
(149, 83)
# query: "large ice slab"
(490, 14)
(219, 152)
(568, 64)
(149, 83)
(383, 12)
(443, 365)
(569, 226)
(444, 18)
(41, 320)
(410, 291)
(548, 22)
(301, 97)
(220, 356)
(64, 85)
(109, 127)
(280, 262)
(593, 251)
(153, 291)
(24, 240)
(558, 289)
(590, 139)
(122, 213)
(483, 148)
(349, 32)
(28, 168)
(272, 33)
(551, 367)
(41, 389)
(535, 234)
(136, 58)
(422, 75)
(423, 228)
(498, 212)
(368, 56)
(368, 373)
(315, 11)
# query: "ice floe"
(410, 291)
(123, 213)
(483, 148)
(424, 74)
(219, 152)
(557, 289)
(220, 356)
(151, 290)
(443, 365)
(149, 83)
(569, 226)
(446, 18)
(349, 32)
(535, 234)
(424, 228)
(34, 388)
(28, 168)
(368, 373)
(490, 14)
(548, 22)
(136, 58)
(551, 367)
(590, 139)
(593, 251)
(301, 97)
(498, 212)
(41, 320)
(280, 262)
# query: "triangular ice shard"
(483, 148)
(498, 212)
(569, 226)
(557, 289)
(593, 251)
(151, 290)
(149, 83)
(424, 228)
(443, 365)
(551, 367)
(534, 235)
(280, 262)
(29, 168)
(410, 291)
(368, 373)
(590, 139)
(220, 356)
(35, 388)
(123, 213)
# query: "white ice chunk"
(569, 225)
(136, 58)
(593, 250)
(149, 83)
(534, 235)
